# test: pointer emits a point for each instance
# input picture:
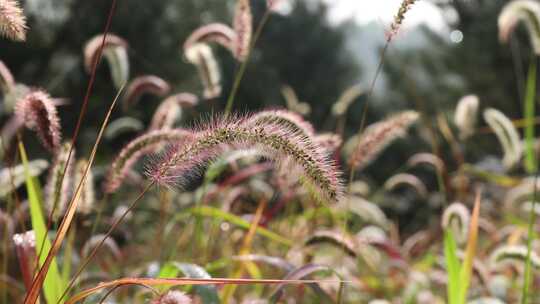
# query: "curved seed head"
(38, 113)
(215, 32)
(457, 217)
(507, 135)
(134, 150)
(58, 190)
(466, 115)
(88, 196)
(346, 99)
(92, 46)
(243, 27)
(6, 78)
(283, 143)
(202, 57)
(526, 11)
(12, 20)
(148, 84)
(380, 135)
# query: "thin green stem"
(242, 69)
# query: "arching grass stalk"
(530, 238)
(37, 283)
(83, 111)
(243, 65)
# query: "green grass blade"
(530, 103)
(452, 267)
(530, 238)
(53, 284)
(470, 252)
(239, 222)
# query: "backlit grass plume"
(38, 113)
(243, 26)
(399, 17)
(457, 218)
(58, 190)
(218, 33)
(170, 110)
(13, 177)
(378, 136)
(12, 20)
(514, 255)
(282, 142)
(6, 78)
(507, 135)
(406, 179)
(123, 125)
(201, 55)
(172, 297)
(526, 11)
(138, 147)
(293, 103)
(341, 106)
(285, 118)
(87, 197)
(466, 114)
(147, 84)
(115, 51)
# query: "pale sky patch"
(383, 11)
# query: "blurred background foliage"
(423, 68)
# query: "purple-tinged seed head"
(219, 33)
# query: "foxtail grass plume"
(378, 136)
(123, 125)
(346, 243)
(87, 197)
(507, 135)
(58, 190)
(406, 179)
(147, 84)
(457, 217)
(513, 255)
(202, 57)
(466, 115)
(12, 20)
(115, 51)
(285, 118)
(172, 297)
(109, 243)
(243, 26)
(341, 106)
(135, 149)
(316, 171)
(369, 212)
(526, 11)
(399, 17)
(293, 103)
(13, 177)
(215, 32)
(38, 113)
(427, 158)
(170, 110)
(6, 78)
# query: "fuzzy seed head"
(38, 113)
(148, 84)
(134, 150)
(13, 177)
(202, 57)
(406, 179)
(507, 135)
(513, 255)
(346, 99)
(282, 142)
(466, 115)
(293, 104)
(378, 136)
(516, 11)
(173, 297)
(6, 78)
(87, 197)
(457, 217)
(399, 17)
(243, 27)
(12, 20)
(91, 48)
(58, 190)
(166, 115)
(215, 32)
